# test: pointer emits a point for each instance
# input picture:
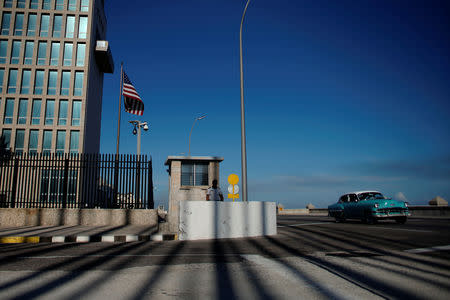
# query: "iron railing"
(75, 181)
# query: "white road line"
(306, 224)
(126, 255)
(401, 229)
(430, 249)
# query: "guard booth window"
(194, 173)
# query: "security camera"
(145, 127)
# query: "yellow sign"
(234, 196)
(233, 179)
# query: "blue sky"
(340, 95)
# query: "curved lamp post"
(138, 125)
(195, 120)
(243, 142)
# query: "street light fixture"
(137, 130)
(195, 120)
(243, 142)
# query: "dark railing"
(75, 181)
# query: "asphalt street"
(310, 257)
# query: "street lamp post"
(243, 142)
(137, 130)
(190, 133)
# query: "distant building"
(53, 54)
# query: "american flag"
(133, 102)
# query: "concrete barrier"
(16, 217)
(217, 220)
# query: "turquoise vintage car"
(368, 206)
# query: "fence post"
(14, 183)
(65, 181)
(150, 202)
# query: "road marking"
(82, 239)
(306, 224)
(430, 249)
(401, 229)
(129, 255)
(58, 239)
(19, 239)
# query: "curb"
(87, 238)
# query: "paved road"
(311, 257)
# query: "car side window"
(353, 198)
(343, 199)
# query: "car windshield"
(370, 196)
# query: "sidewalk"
(82, 234)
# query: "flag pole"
(120, 108)
(116, 163)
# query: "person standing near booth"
(214, 193)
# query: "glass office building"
(53, 55)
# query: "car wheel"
(369, 219)
(400, 220)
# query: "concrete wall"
(14, 217)
(216, 219)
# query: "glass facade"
(33, 141)
(70, 26)
(68, 50)
(31, 30)
(34, 4)
(59, 4)
(82, 28)
(2, 75)
(74, 141)
(20, 140)
(9, 111)
(78, 88)
(36, 112)
(6, 23)
(21, 3)
(45, 23)
(47, 142)
(38, 82)
(72, 5)
(52, 82)
(54, 56)
(57, 25)
(28, 57)
(15, 52)
(42, 53)
(12, 81)
(65, 83)
(18, 24)
(84, 5)
(46, 4)
(81, 52)
(6, 133)
(60, 141)
(3, 49)
(49, 112)
(76, 113)
(25, 86)
(62, 112)
(23, 109)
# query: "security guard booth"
(189, 179)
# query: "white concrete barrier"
(217, 220)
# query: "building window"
(60, 141)
(22, 115)
(33, 141)
(49, 112)
(59, 4)
(6, 134)
(34, 4)
(45, 23)
(38, 82)
(18, 24)
(76, 113)
(20, 139)
(81, 51)
(82, 28)
(6, 23)
(57, 25)
(28, 57)
(72, 5)
(46, 4)
(36, 112)
(68, 50)
(31, 31)
(78, 90)
(12, 81)
(52, 79)
(9, 111)
(54, 56)
(21, 3)
(70, 26)
(2, 73)
(42, 53)
(7, 3)
(74, 141)
(15, 52)
(65, 83)
(194, 173)
(25, 86)
(3, 49)
(84, 5)
(47, 142)
(62, 112)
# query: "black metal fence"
(76, 181)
